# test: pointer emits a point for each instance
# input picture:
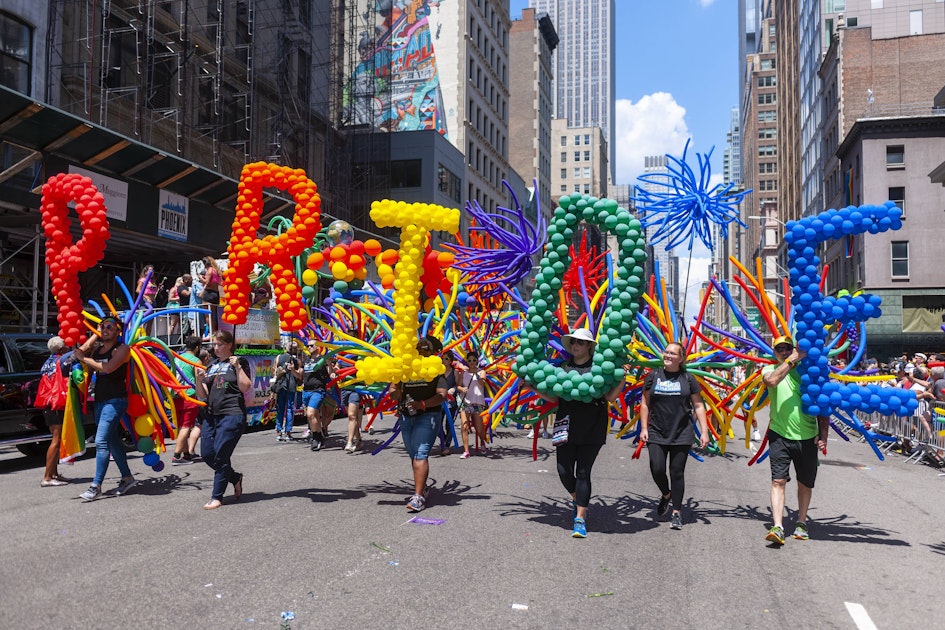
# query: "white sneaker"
(306, 433)
(756, 436)
(531, 434)
(278, 436)
(349, 447)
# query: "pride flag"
(72, 445)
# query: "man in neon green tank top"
(793, 436)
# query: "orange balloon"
(372, 247)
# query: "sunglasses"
(783, 348)
(580, 342)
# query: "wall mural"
(395, 86)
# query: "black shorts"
(51, 417)
(803, 453)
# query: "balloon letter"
(415, 221)
(276, 252)
(619, 323)
(820, 395)
(64, 259)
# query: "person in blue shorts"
(419, 406)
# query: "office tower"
(657, 253)
(532, 40)
(584, 65)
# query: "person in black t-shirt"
(288, 371)
(419, 406)
(670, 395)
(223, 385)
(315, 379)
(587, 428)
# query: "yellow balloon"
(144, 425)
(338, 270)
(309, 277)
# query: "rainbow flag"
(72, 445)
(849, 246)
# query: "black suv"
(22, 424)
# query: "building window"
(768, 117)
(915, 22)
(895, 157)
(897, 194)
(564, 156)
(577, 172)
(16, 53)
(767, 99)
(577, 156)
(564, 141)
(900, 259)
(852, 21)
(577, 141)
(406, 174)
(587, 138)
(767, 151)
(564, 188)
(587, 171)
(564, 173)
(767, 64)
(587, 156)
(450, 184)
(876, 4)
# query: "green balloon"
(145, 444)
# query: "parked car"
(22, 424)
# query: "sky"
(677, 79)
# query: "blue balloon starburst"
(681, 206)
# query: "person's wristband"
(423, 403)
(791, 362)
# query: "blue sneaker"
(580, 529)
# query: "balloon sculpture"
(276, 252)
(618, 324)
(65, 259)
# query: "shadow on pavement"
(448, 493)
(938, 548)
(607, 515)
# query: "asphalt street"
(326, 536)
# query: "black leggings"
(574, 468)
(677, 470)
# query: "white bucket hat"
(578, 333)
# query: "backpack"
(53, 389)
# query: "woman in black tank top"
(109, 363)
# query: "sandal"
(212, 504)
(61, 478)
(238, 488)
(48, 483)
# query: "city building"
(580, 163)
(786, 14)
(584, 65)
(883, 116)
(532, 40)
(470, 48)
(760, 163)
(893, 157)
(657, 254)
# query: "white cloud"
(654, 125)
(706, 3)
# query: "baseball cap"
(782, 340)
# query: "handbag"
(559, 434)
(53, 389)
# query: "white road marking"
(860, 617)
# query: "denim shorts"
(313, 399)
(419, 433)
